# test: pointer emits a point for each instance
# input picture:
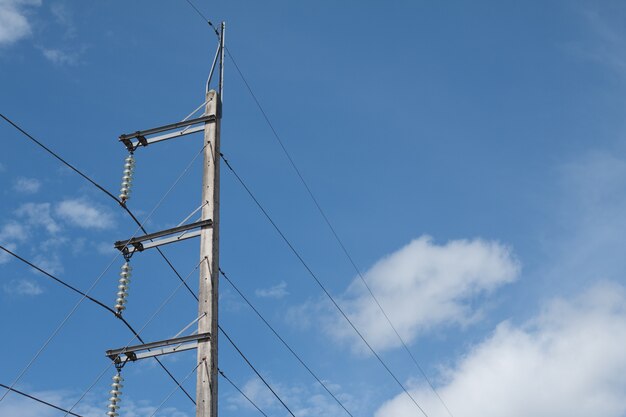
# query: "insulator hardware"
(124, 282)
(127, 178)
(116, 392)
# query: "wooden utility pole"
(205, 341)
(206, 384)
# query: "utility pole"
(205, 339)
(206, 383)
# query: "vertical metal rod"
(206, 384)
(222, 48)
(217, 54)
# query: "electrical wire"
(319, 283)
(255, 371)
(99, 303)
(32, 397)
(58, 328)
(333, 231)
(101, 188)
(173, 391)
(63, 161)
(163, 304)
(204, 17)
(285, 343)
(73, 310)
(240, 391)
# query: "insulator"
(129, 167)
(123, 284)
(115, 395)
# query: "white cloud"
(277, 291)
(82, 214)
(421, 286)
(13, 231)
(38, 214)
(14, 24)
(22, 287)
(27, 185)
(60, 57)
(2, 167)
(567, 362)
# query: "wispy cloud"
(81, 213)
(64, 17)
(14, 22)
(566, 362)
(38, 214)
(13, 231)
(22, 287)
(27, 185)
(61, 57)
(277, 291)
(420, 286)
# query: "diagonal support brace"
(136, 244)
(143, 140)
(163, 347)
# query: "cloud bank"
(567, 362)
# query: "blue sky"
(470, 156)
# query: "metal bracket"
(142, 140)
(130, 246)
(134, 353)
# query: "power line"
(60, 326)
(241, 392)
(158, 310)
(332, 229)
(63, 161)
(285, 343)
(203, 17)
(256, 372)
(174, 390)
(101, 188)
(319, 283)
(32, 397)
(99, 303)
(133, 217)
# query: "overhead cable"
(39, 400)
(285, 344)
(319, 283)
(333, 231)
(256, 372)
(241, 392)
(99, 303)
